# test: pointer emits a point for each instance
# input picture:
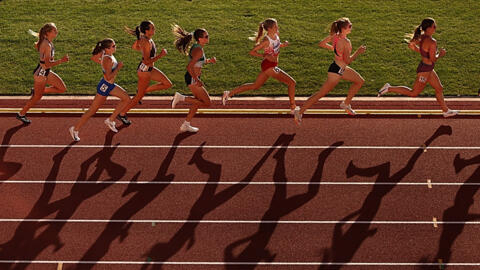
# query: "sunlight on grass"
(378, 24)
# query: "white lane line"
(298, 222)
(325, 183)
(364, 147)
(242, 263)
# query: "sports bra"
(153, 51)
(200, 61)
(52, 53)
(338, 56)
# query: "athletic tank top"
(422, 52)
(52, 53)
(200, 61)
(114, 62)
(274, 46)
(153, 51)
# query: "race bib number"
(42, 72)
(143, 67)
(104, 87)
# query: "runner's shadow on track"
(24, 235)
(255, 246)
(346, 243)
(144, 194)
(66, 207)
(208, 201)
(8, 169)
(459, 211)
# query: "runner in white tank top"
(270, 45)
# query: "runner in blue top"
(194, 70)
(43, 75)
(422, 42)
(103, 55)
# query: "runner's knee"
(254, 87)
(126, 98)
(439, 89)
(62, 88)
(414, 93)
(292, 83)
(360, 82)
(207, 103)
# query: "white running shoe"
(348, 108)
(187, 127)
(383, 90)
(297, 116)
(176, 98)
(225, 97)
(450, 113)
(292, 111)
(74, 134)
(111, 125)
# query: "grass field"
(378, 24)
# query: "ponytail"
(140, 29)
(338, 25)
(102, 45)
(417, 34)
(182, 38)
(42, 34)
(259, 34)
(134, 32)
(265, 25)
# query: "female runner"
(423, 43)
(194, 70)
(146, 70)
(339, 69)
(103, 54)
(43, 75)
(270, 44)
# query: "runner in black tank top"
(339, 69)
(146, 70)
(43, 75)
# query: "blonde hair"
(265, 25)
(184, 38)
(42, 34)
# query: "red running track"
(246, 192)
